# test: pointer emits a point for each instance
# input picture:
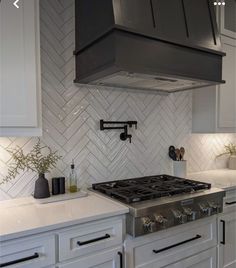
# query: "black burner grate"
(147, 188)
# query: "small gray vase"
(41, 189)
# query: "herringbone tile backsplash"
(71, 117)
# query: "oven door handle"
(177, 244)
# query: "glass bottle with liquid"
(73, 188)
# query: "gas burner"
(133, 194)
(148, 188)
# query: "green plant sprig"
(230, 149)
(36, 161)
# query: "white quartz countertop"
(219, 178)
(21, 217)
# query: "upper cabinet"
(214, 108)
(228, 19)
(20, 98)
(227, 91)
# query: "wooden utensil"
(182, 152)
(177, 152)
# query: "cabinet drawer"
(89, 238)
(182, 244)
(206, 259)
(230, 201)
(106, 259)
(30, 252)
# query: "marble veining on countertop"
(219, 178)
(24, 216)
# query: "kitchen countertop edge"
(119, 209)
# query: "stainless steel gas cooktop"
(148, 188)
(159, 202)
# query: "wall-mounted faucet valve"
(124, 135)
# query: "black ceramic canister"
(62, 185)
(55, 186)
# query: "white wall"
(71, 117)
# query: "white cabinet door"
(206, 259)
(167, 247)
(107, 259)
(214, 108)
(91, 237)
(19, 67)
(227, 92)
(31, 252)
(227, 236)
(228, 18)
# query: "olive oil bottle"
(73, 188)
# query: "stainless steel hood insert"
(152, 82)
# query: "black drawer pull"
(121, 259)
(35, 256)
(230, 203)
(223, 239)
(79, 243)
(176, 245)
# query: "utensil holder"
(232, 162)
(180, 168)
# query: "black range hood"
(164, 45)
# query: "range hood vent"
(163, 45)
(144, 81)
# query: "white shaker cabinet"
(206, 259)
(227, 247)
(108, 259)
(92, 245)
(214, 108)
(192, 245)
(35, 251)
(20, 97)
(227, 233)
(227, 92)
(96, 244)
(228, 18)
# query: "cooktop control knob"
(161, 220)
(214, 206)
(191, 215)
(179, 217)
(149, 225)
(206, 210)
